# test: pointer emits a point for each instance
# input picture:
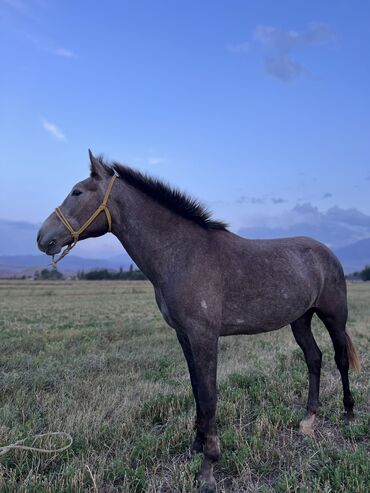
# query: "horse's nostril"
(51, 243)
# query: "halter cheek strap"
(76, 234)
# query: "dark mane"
(172, 198)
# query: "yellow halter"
(76, 234)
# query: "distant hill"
(27, 264)
(354, 257)
(18, 237)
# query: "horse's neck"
(151, 234)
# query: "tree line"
(364, 274)
(93, 275)
(105, 274)
(133, 275)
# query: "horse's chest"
(163, 307)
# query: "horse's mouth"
(54, 247)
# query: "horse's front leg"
(200, 351)
(198, 442)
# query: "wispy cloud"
(51, 47)
(285, 41)
(53, 130)
(22, 8)
(154, 160)
(244, 199)
(327, 195)
(63, 52)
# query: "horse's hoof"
(306, 425)
(349, 417)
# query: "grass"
(97, 360)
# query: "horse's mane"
(172, 198)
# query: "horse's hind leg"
(302, 332)
(336, 325)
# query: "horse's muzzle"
(48, 244)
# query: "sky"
(259, 109)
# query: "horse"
(209, 282)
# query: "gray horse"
(209, 282)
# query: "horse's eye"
(76, 192)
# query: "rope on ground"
(18, 445)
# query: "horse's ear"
(96, 167)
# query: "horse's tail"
(353, 355)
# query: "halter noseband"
(76, 234)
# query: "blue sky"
(256, 108)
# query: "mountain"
(354, 257)
(18, 237)
(19, 265)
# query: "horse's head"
(71, 221)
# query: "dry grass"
(96, 360)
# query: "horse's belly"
(258, 315)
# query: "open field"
(97, 360)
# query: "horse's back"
(295, 255)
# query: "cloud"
(277, 200)
(285, 41)
(243, 199)
(327, 195)
(336, 227)
(283, 68)
(351, 217)
(22, 8)
(278, 45)
(242, 47)
(63, 52)
(54, 130)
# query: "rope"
(18, 445)
(76, 234)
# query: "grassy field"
(97, 360)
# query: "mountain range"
(19, 255)
(354, 257)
